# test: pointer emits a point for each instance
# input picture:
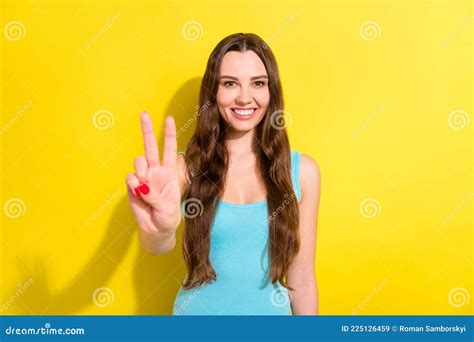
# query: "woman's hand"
(153, 191)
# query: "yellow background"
(370, 87)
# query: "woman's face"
(243, 94)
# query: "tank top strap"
(295, 173)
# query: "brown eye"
(260, 84)
(229, 83)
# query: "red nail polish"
(137, 193)
(144, 189)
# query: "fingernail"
(144, 189)
(137, 193)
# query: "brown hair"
(207, 161)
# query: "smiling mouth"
(244, 111)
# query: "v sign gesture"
(154, 190)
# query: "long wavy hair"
(207, 160)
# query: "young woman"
(250, 203)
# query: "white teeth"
(244, 112)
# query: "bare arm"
(301, 275)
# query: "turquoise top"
(239, 254)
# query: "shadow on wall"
(156, 278)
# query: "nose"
(245, 96)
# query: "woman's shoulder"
(306, 162)
(309, 164)
(310, 174)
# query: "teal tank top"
(240, 256)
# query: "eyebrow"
(252, 78)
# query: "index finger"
(149, 140)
